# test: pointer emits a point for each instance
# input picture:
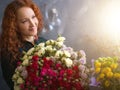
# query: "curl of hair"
(12, 40)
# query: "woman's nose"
(32, 23)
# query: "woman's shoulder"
(40, 40)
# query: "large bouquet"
(107, 72)
(51, 66)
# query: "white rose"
(60, 39)
(20, 80)
(17, 87)
(59, 44)
(30, 51)
(25, 57)
(41, 44)
(17, 73)
(25, 62)
(30, 57)
(49, 48)
(14, 76)
(50, 42)
(58, 53)
(41, 52)
(68, 62)
(67, 54)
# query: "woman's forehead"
(25, 12)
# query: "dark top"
(9, 69)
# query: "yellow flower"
(116, 75)
(106, 70)
(97, 64)
(104, 63)
(102, 75)
(107, 83)
(103, 70)
(119, 75)
(97, 70)
(114, 65)
(109, 74)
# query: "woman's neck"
(30, 39)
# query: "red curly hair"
(12, 40)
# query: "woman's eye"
(24, 21)
(33, 17)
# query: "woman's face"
(27, 22)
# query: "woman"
(21, 24)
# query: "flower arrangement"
(52, 66)
(107, 72)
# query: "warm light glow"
(110, 19)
